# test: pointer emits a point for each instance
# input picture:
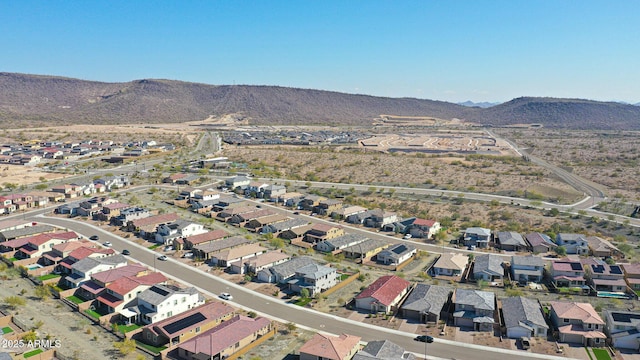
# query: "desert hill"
(35, 100)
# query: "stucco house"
(383, 295)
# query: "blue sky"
(444, 50)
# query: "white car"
(188, 255)
(226, 296)
(163, 258)
(107, 244)
(408, 236)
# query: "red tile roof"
(385, 289)
(112, 275)
(424, 222)
(41, 239)
(124, 285)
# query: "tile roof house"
(37, 245)
(474, 309)
(203, 238)
(383, 295)
(339, 243)
(623, 327)
(423, 228)
(577, 323)
(328, 206)
(279, 227)
(383, 350)
(225, 339)
(7, 235)
(206, 250)
(83, 269)
(523, 317)
(258, 223)
(224, 258)
(632, 275)
(601, 247)
(488, 267)
(122, 293)
(477, 236)
(244, 217)
(379, 218)
(450, 264)
(281, 273)
(161, 302)
(321, 232)
(510, 241)
(573, 243)
(180, 328)
(92, 288)
(255, 264)
(147, 226)
(60, 251)
(426, 303)
(396, 254)
(605, 277)
(567, 273)
(166, 233)
(347, 211)
(365, 249)
(328, 347)
(313, 277)
(540, 243)
(526, 269)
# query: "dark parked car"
(94, 237)
(126, 252)
(424, 338)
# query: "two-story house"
(510, 241)
(83, 269)
(166, 233)
(37, 245)
(423, 228)
(632, 275)
(122, 293)
(568, 273)
(282, 273)
(339, 243)
(321, 232)
(477, 236)
(526, 269)
(258, 263)
(130, 214)
(607, 278)
(161, 302)
(577, 323)
(573, 243)
(623, 327)
(540, 243)
(474, 309)
(379, 218)
(315, 278)
(426, 303)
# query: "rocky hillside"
(33, 100)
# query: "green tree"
(304, 293)
(561, 251)
(554, 212)
(30, 336)
(291, 327)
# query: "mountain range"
(36, 100)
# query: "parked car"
(408, 236)
(525, 342)
(296, 213)
(424, 338)
(226, 296)
(168, 248)
(163, 258)
(107, 244)
(187, 255)
(94, 237)
(126, 252)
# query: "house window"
(175, 302)
(566, 321)
(198, 329)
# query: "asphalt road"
(276, 309)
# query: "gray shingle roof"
(222, 244)
(427, 298)
(511, 238)
(488, 263)
(315, 271)
(290, 267)
(288, 224)
(397, 250)
(527, 261)
(343, 240)
(26, 231)
(367, 245)
(478, 299)
(88, 263)
(519, 311)
(383, 350)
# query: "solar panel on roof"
(399, 249)
(182, 324)
(615, 269)
(576, 266)
(598, 269)
(624, 317)
(160, 291)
